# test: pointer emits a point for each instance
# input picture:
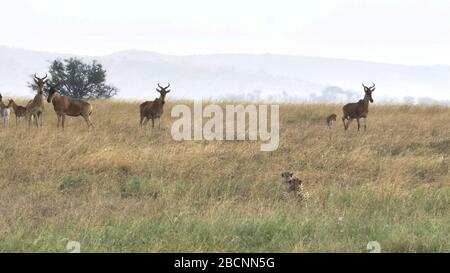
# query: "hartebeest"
(35, 108)
(19, 111)
(4, 111)
(359, 109)
(331, 119)
(154, 109)
(64, 105)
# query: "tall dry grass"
(119, 188)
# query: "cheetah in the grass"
(293, 187)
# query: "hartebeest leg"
(63, 119)
(153, 123)
(30, 120)
(343, 121)
(365, 124)
(145, 121)
(349, 121)
(159, 123)
(88, 121)
(36, 118)
(41, 118)
(59, 120)
(358, 123)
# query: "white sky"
(393, 31)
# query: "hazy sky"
(406, 32)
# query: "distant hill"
(242, 76)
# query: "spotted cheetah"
(293, 186)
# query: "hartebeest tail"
(19, 111)
(35, 108)
(154, 109)
(64, 105)
(359, 109)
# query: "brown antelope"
(64, 105)
(359, 109)
(35, 107)
(331, 119)
(19, 111)
(154, 109)
(4, 112)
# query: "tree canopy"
(74, 78)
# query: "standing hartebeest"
(35, 107)
(64, 105)
(19, 111)
(359, 109)
(4, 112)
(331, 119)
(154, 109)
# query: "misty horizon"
(149, 51)
(269, 77)
(288, 51)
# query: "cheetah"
(293, 186)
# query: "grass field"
(119, 188)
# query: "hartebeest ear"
(168, 91)
(157, 90)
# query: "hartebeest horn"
(41, 79)
(373, 87)
(164, 88)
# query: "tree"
(76, 79)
